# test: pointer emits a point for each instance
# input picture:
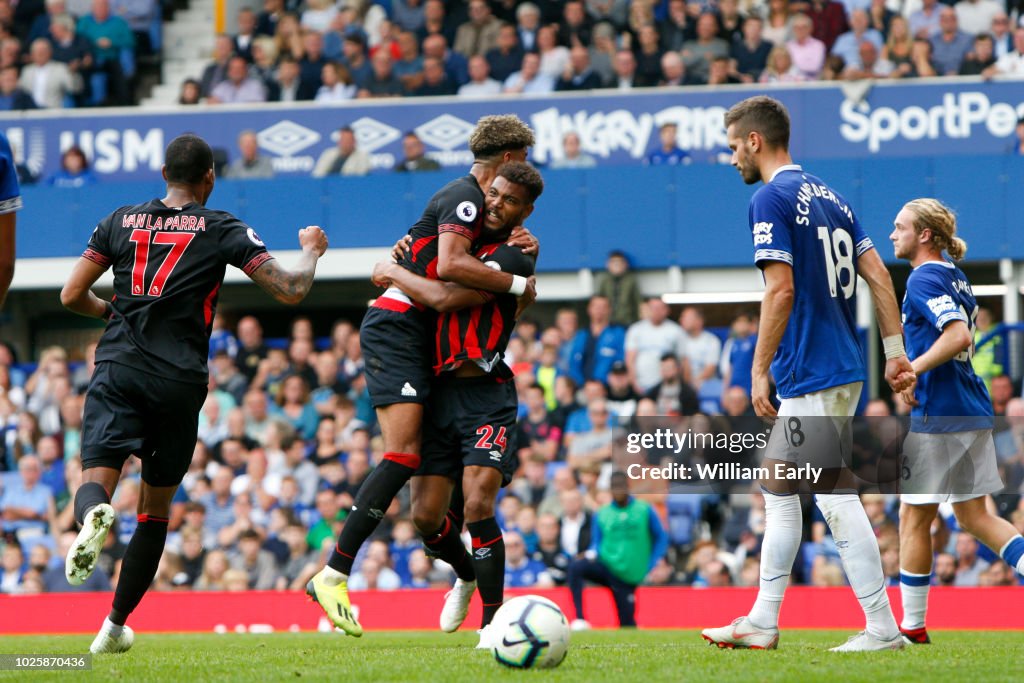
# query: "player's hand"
(401, 248)
(528, 297)
(907, 396)
(899, 373)
(381, 271)
(312, 238)
(525, 240)
(760, 397)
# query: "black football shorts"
(131, 412)
(470, 421)
(397, 350)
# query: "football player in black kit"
(397, 336)
(471, 415)
(150, 380)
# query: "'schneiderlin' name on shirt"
(809, 191)
(147, 221)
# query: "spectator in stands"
(480, 82)
(628, 540)
(311, 65)
(648, 56)
(12, 96)
(592, 448)
(112, 43)
(382, 81)
(69, 47)
(435, 81)
(407, 14)
(51, 83)
(217, 70)
(920, 64)
(578, 75)
(239, 87)
(700, 351)
(668, 153)
(975, 16)
(780, 67)
(435, 23)
(288, 82)
(778, 28)
(751, 53)
(521, 571)
(848, 44)
(671, 394)
(247, 32)
(251, 349)
(454, 63)
(527, 25)
(258, 564)
(1002, 36)
(480, 33)
(539, 435)
(871, 64)
(191, 92)
(337, 85)
(415, 156)
(409, 65)
(141, 15)
(969, 566)
(40, 27)
(648, 341)
(1001, 393)
(673, 71)
(619, 284)
(829, 19)
(950, 45)
(572, 154)
(250, 163)
(318, 15)
(736, 403)
(506, 57)
(215, 566)
(699, 52)
(924, 22)
(808, 52)
(529, 79)
(294, 405)
(343, 159)
(12, 569)
(899, 44)
(27, 505)
(74, 170)
(219, 503)
(1011, 64)
(980, 58)
(880, 17)
(676, 28)
(738, 353)
(554, 58)
(549, 549)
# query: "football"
(534, 634)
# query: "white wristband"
(518, 287)
(893, 346)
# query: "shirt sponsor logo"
(941, 304)
(762, 233)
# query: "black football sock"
(489, 564)
(89, 495)
(446, 545)
(139, 566)
(372, 502)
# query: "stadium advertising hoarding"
(900, 120)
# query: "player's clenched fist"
(899, 373)
(313, 239)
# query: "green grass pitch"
(594, 657)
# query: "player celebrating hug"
(810, 248)
(949, 453)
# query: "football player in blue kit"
(810, 248)
(949, 453)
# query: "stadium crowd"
(287, 436)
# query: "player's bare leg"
(480, 485)
(432, 501)
(400, 427)
(998, 534)
(95, 516)
(915, 569)
(138, 567)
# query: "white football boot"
(742, 634)
(456, 605)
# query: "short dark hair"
(187, 159)
(984, 36)
(763, 114)
(523, 174)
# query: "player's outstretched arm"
(291, 286)
(898, 371)
(954, 340)
(441, 296)
(7, 223)
(775, 310)
(77, 296)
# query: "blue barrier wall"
(692, 216)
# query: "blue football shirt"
(937, 294)
(10, 195)
(797, 219)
